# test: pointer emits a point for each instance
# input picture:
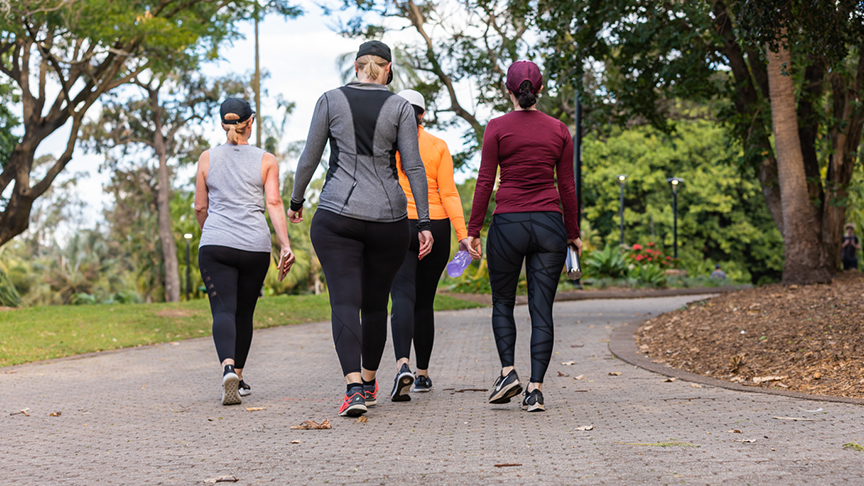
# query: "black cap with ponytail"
(526, 96)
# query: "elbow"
(200, 209)
(275, 203)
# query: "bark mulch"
(808, 339)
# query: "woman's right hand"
(295, 216)
(475, 247)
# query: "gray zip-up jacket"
(366, 125)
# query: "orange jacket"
(444, 200)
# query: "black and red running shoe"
(354, 404)
(371, 392)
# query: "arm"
(412, 164)
(449, 194)
(276, 209)
(202, 201)
(483, 189)
(567, 187)
(316, 140)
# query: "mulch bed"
(808, 339)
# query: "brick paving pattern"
(152, 415)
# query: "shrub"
(607, 263)
(651, 275)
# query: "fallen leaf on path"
(507, 464)
(221, 479)
(254, 409)
(23, 411)
(463, 390)
(10, 372)
(746, 441)
(669, 380)
(217, 418)
(765, 379)
(854, 446)
(313, 425)
(695, 385)
(175, 343)
(54, 414)
(734, 431)
(562, 374)
(576, 345)
(295, 441)
(614, 373)
(144, 386)
(811, 411)
(584, 427)
(361, 420)
(796, 418)
(568, 363)
(671, 443)
(580, 377)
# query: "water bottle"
(459, 263)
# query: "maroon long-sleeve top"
(530, 147)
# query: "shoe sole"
(420, 390)
(244, 393)
(404, 382)
(230, 393)
(354, 411)
(506, 394)
(371, 403)
(537, 407)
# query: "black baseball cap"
(236, 106)
(376, 48)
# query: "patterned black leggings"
(539, 239)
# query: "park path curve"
(152, 416)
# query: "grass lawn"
(46, 332)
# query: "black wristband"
(297, 206)
(424, 226)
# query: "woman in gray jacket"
(360, 230)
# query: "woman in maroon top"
(530, 147)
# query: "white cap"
(413, 97)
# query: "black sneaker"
(505, 388)
(354, 403)
(371, 393)
(230, 385)
(533, 401)
(402, 384)
(244, 389)
(422, 384)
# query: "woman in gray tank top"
(234, 184)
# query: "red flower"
(639, 257)
(650, 243)
(668, 257)
(637, 247)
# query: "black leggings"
(538, 238)
(413, 294)
(360, 260)
(233, 279)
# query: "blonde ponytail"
(236, 133)
(373, 66)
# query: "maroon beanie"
(524, 71)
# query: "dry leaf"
(568, 363)
(10, 372)
(817, 375)
(23, 411)
(765, 379)
(576, 345)
(562, 374)
(695, 385)
(796, 419)
(54, 414)
(584, 427)
(746, 441)
(669, 380)
(313, 425)
(507, 464)
(614, 373)
(734, 431)
(361, 420)
(580, 377)
(295, 441)
(254, 409)
(221, 479)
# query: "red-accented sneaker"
(371, 392)
(353, 405)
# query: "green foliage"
(9, 296)
(650, 275)
(606, 263)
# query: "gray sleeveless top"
(235, 216)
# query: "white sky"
(300, 55)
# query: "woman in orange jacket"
(413, 290)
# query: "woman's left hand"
(295, 216)
(463, 244)
(426, 241)
(578, 244)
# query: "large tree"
(87, 49)
(654, 55)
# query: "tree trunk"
(804, 261)
(163, 207)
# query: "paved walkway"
(152, 416)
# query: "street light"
(621, 181)
(675, 182)
(188, 237)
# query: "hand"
(287, 259)
(474, 247)
(295, 217)
(426, 241)
(578, 244)
(463, 244)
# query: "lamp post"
(675, 182)
(621, 181)
(187, 237)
